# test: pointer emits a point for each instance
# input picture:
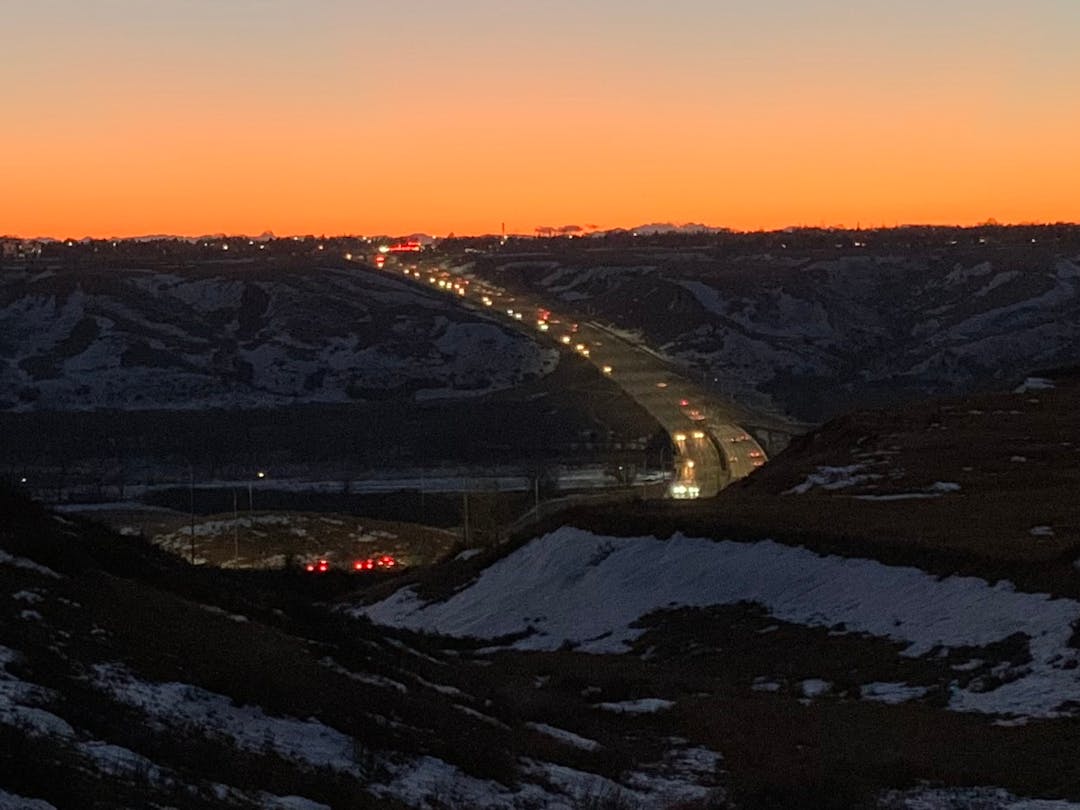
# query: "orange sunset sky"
(129, 117)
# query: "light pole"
(191, 508)
(260, 475)
(235, 527)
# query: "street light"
(260, 475)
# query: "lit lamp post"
(259, 475)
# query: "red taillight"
(684, 402)
(371, 563)
(309, 567)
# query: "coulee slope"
(609, 665)
(897, 592)
(141, 680)
(816, 333)
(243, 335)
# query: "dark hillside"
(147, 681)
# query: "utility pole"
(465, 510)
(191, 508)
(235, 527)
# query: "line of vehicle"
(711, 450)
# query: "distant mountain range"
(668, 227)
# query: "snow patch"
(28, 565)
(975, 798)
(833, 478)
(19, 702)
(548, 593)
(12, 801)
(1034, 384)
(815, 687)
(935, 490)
(891, 692)
(564, 736)
(176, 704)
(639, 706)
(997, 281)
(428, 782)
(763, 684)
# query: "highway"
(712, 449)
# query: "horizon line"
(580, 233)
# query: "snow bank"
(559, 589)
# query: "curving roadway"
(712, 448)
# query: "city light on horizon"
(297, 118)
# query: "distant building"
(20, 249)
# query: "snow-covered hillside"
(575, 589)
(817, 336)
(115, 692)
(242, 336)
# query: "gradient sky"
(127, 117)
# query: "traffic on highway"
(711, 449)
